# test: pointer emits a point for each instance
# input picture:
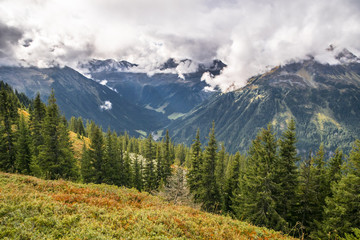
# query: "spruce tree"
(8, 117)
(149, 171)
(159, 166)
(220, 170)
(55, 159)
(195, 172)
(342, 213)
(37, 116)
(209, 189)
(137, 177)
(127, 175)
(167, 160)
(286, 175)
(96, 154)
(111, 162)
(87, 168)
(23, 148)
(232, 183)
(257, 200)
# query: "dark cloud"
(9, 36)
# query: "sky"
(249, 36)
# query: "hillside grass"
(31, 208)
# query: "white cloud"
(249, 36)
(106, 106)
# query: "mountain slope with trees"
(324, 100)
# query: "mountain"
(32, 208)
(173, 89)
(79, 96)
(323, 99)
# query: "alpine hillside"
(324, 100)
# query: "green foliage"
(342, 208)
(149, 171)
(31, 208)
(55, 159)
(23, 148)
(209, 194)
(194, 174)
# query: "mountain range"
(323, 99)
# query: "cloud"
(249, 36)
(9, 37)
(106, 106)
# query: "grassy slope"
(31, 208)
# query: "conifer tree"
(342, 213)
(127, 173)
(149, 171)
(111, 162)
(195, 172)
(286, 175)
(37, 116)
(257, 200)
(23, 148)
(159, 166)
(334, 170)
(96, 153)
(87, 168)
(55, 159)
(8, 117)
(231, 183)
(137, 177)
(220, 170)
(167, 160)
(209, 190)
(306, 195)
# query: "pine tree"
(8, 117)
(306, 195)
(23, 148)
(37, 116)
(55, 159)
(334, 170)
(220, 170)
(149, 171)
(195, 173)
(137, 177)
(167, 159)
(127, 170)
(159, 166)
(287, 175)
(96, 154)
(257, 200)
(209, 190)
(87, 168)
(231, 183)
(342, 213)
(111, 162)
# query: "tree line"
(272, 186)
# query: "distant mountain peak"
(107, 65)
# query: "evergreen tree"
(306, 195)
(287, 175)
(167, 160)
(55, 159)
(37, 116)
(23, 148)
(96, 154)
(159, 166)
(342, 213)
(220, 170)
(111, 162)
(80, 126)
(149, 171)
(257, 200)
(127, 170)
(137, 177)
(334, 170)
(209, 190)
(8, 117)
(195, 173)
(231, 183)
(87, 168)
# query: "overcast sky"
(247, 35)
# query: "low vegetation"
(31, 208)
